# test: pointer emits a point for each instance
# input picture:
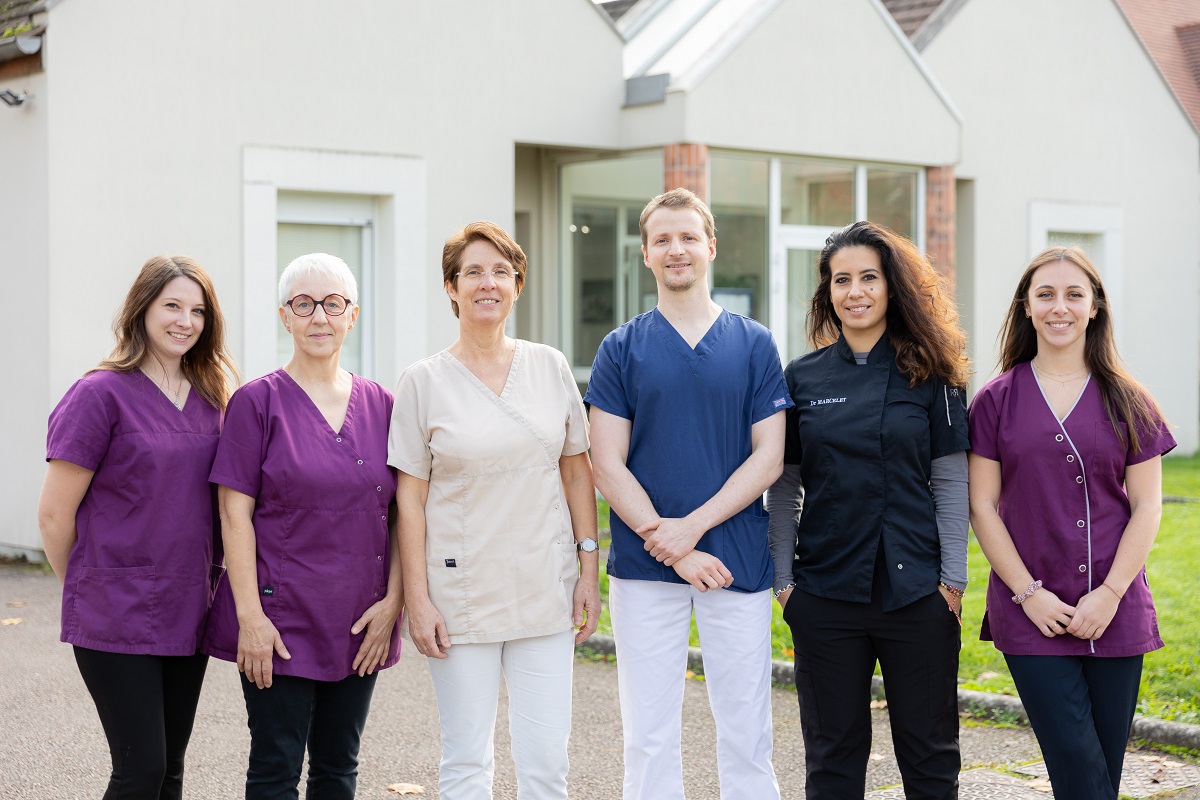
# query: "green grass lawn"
(1171, 679)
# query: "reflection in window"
(816, 194)
(802, 282)
(892, 200)
(740, 194)
(607, 284)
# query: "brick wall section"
(940, 220)
(686, 165)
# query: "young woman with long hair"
(869, 519)
(127, 523)
(1066, 498)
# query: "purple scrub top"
(138, 577)
(1063, 500)
(320, 520)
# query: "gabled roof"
(1170, 32)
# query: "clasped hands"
(1087, 619)
(673, 540)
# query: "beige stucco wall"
(1061, 104)
(155, 103)
(815, 78)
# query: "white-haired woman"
(311, 595)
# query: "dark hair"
(207, 365)
(1125, 399)
(481, 231)
(679, 198)
(922, 319)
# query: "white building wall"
(1062, 108)
(813, 78)
(26, 359)
(157, 102)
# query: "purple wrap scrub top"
(320, 520)
(1063, 501)
(138, 577)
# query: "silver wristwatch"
(588, 545)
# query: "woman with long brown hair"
(126, 516)
(1066, 498)
(869, 519)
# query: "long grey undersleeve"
(784, 501)
(948, 482)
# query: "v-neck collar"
(514, 370)
(708, 342)
(1037, 382)
(347, 421)
(178, 409)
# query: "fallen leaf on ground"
(11, 621)
(406, 788)
(16, 604)
(875, 757)
(879, 704)
(987, 676)
(689, 674)
(1041, 785)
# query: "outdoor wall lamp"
(12, 99)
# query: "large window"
(773, 215)
(740, 199)
(607, 283)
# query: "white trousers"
(651, 621)
(537, 672)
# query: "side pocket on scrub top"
(117, 604)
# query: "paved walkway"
(51, 745)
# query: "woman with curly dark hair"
(869, 519)
(1066, 498)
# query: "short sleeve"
(984, 422)
(770, 391)
(1155, 441)
(576, 441)
(606, 385)
(948, 421)
(408, 433)
(80, 427)
(242, 448)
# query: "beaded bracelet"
(954, 590)
(1023, 596)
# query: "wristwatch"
(588, 545)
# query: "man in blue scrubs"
(687, 411)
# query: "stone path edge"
(1156, 731)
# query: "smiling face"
(677, 250)
(1060, 303)
(485, 287)
(858, 291)
(319, 336)
(174, 320)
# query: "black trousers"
(837, 644)
(326, 716)
(1081, 709)
(147, 705)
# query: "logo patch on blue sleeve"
(780, 403)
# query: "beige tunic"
(499, 550)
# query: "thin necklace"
(165, 386)
(1062, 379)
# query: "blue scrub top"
(691, 413)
